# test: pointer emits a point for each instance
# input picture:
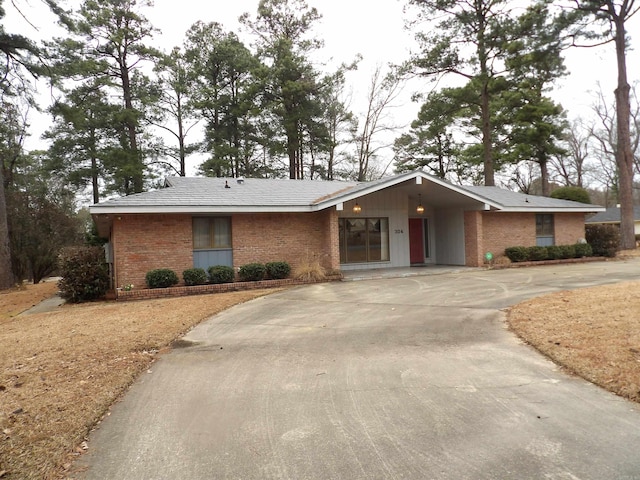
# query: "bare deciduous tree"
(613, 15)
(383, 92)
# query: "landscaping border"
(550, 262)
(150, 293)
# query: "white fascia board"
(552, 209)
(115, 210)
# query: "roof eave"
(534, 209)
(202, 209)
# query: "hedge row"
(251, 272)
(553, 252)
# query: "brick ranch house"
(399, 221)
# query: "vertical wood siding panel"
(391, 204)
(450, 237)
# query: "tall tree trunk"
(181, 144)
(291, 152)
(544, 177)
(624, 155)
(485, 110)
(94, 167)
(6, 273)
(132, 123)
(487, 149)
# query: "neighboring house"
(408, 219)
(611, 216)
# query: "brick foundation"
(150, 293)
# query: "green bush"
(277, 270)
(221, 274)
(252, 272)
(537, 254)
(604, 239)
(161, 278)
(577, 194)
(568, 251)
(583, 250)
(554, 252)
(194, 276)
(84, 272)
(517, 254)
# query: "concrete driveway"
(412, 378)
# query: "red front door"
(416, 240)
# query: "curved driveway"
(407, 378)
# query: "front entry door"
(416, 240)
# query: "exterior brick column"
(473, 238)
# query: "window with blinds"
(211, 233)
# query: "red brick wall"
(502, 230)
(145, 242)
(569, 228)
(289, 237)
(495, 231)
(473, 238)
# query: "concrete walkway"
(47, 305)
(413, 378)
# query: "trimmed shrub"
(221, 274)
(583, 250)
(537, 254)
(554, 252)
(568, 251)
(517, 254)
(85, 274)
(252, 272)
(277, 270)
(577, 194)
(161, 278)
(194, 276)
(604, 239)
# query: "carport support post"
(473, 239)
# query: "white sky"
(373, 29)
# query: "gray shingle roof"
(210, 195)
(509, 199)
(199, 193)
(612, 215)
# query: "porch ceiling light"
(420, 208)
(357, 208)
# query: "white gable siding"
(392, 204)
(449, 233)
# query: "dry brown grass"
(17, 300)
(309, 270)
(592, 332)
(60, 371)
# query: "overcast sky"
(348, 27)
